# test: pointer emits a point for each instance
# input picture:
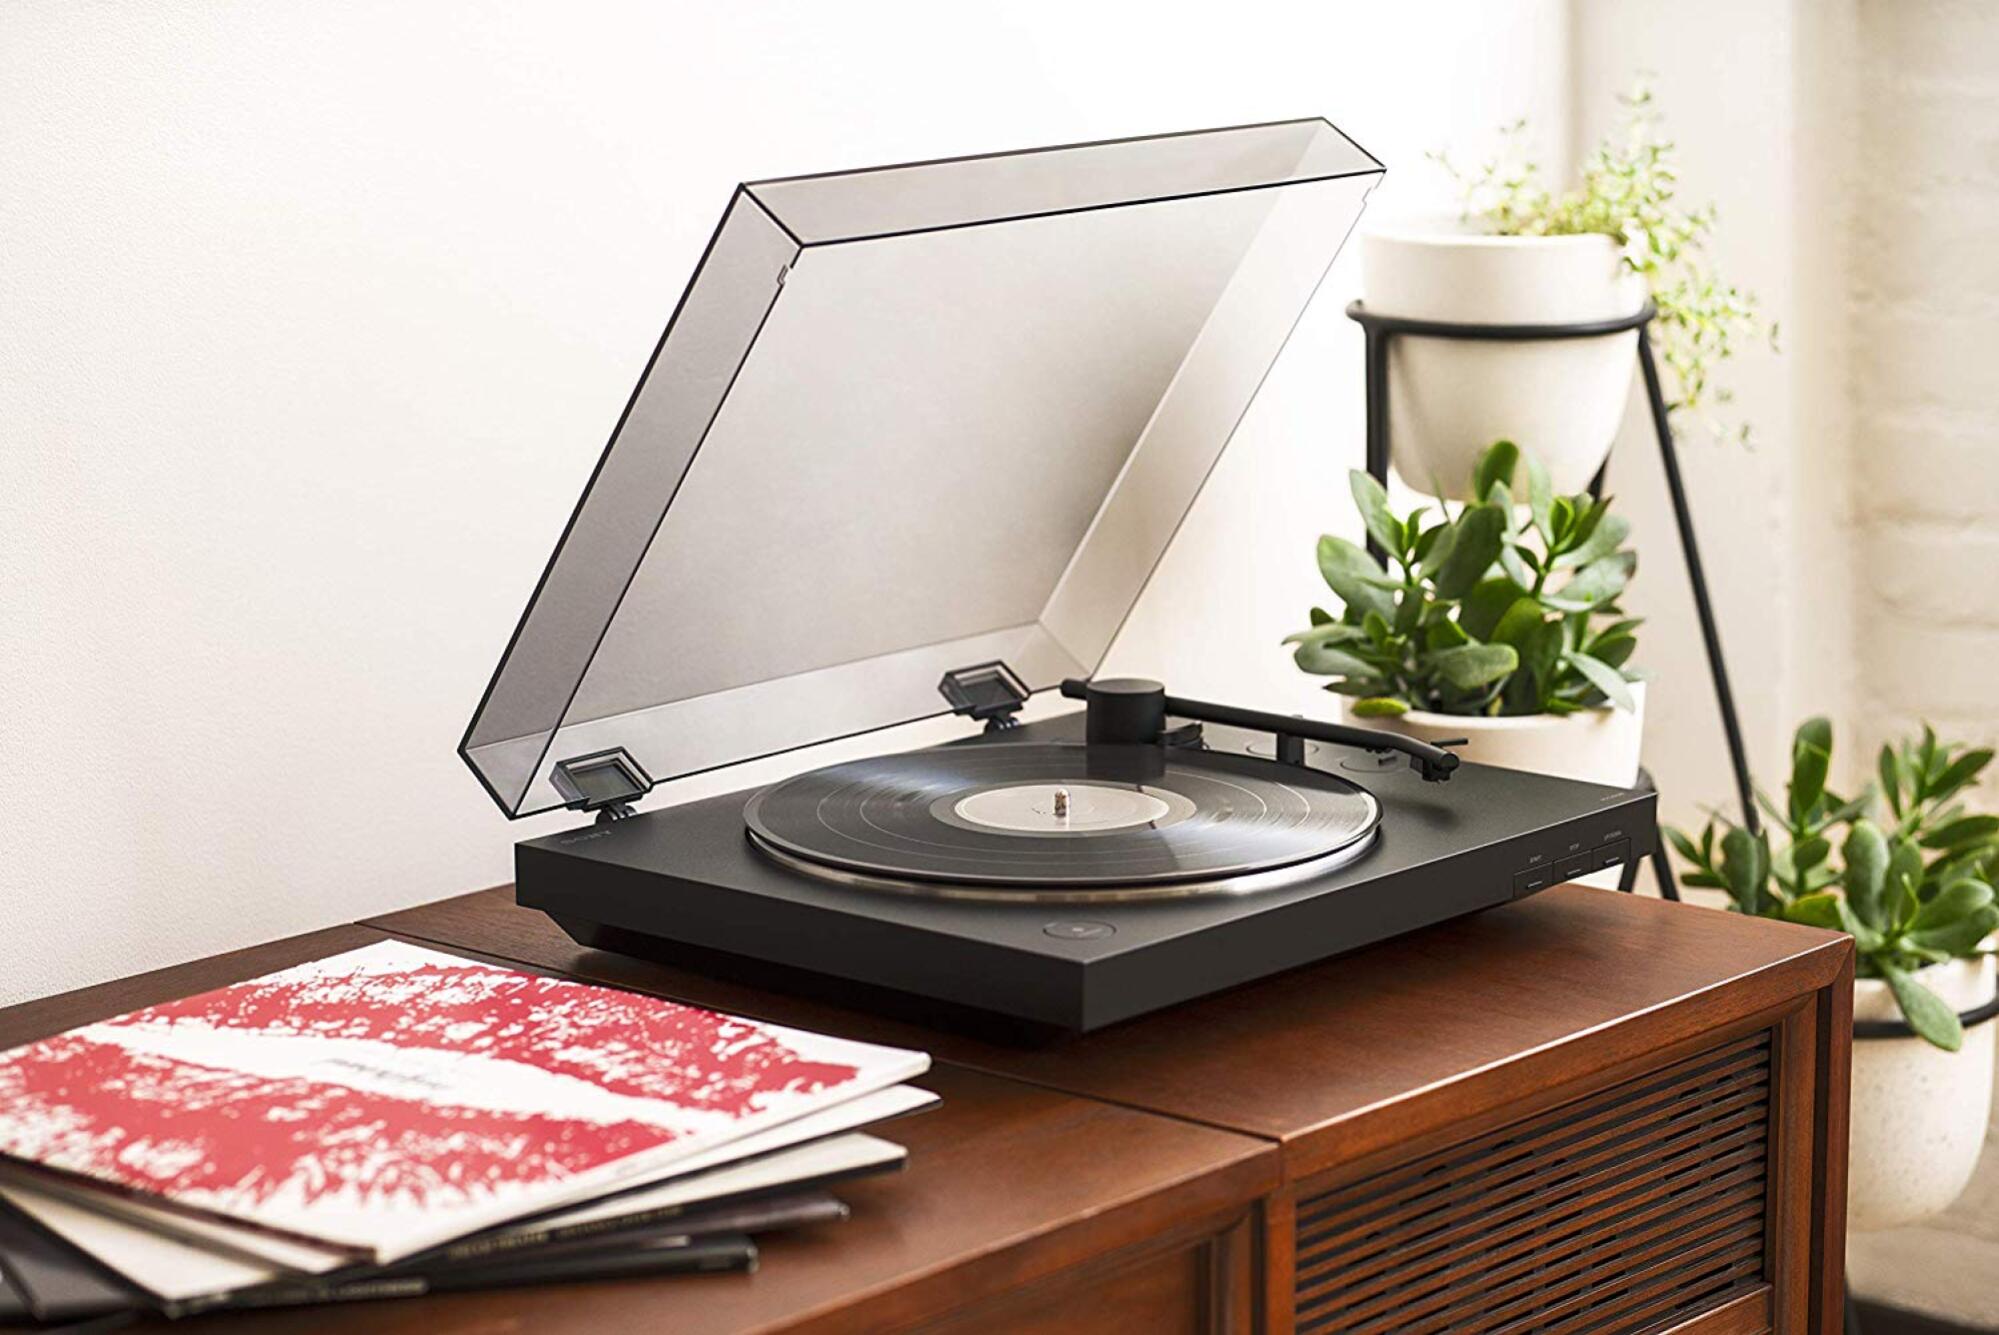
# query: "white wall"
(1737, 85)
(1924, 407)
(1925, 400)
(1738, 496)
(314, 317)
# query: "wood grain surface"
(1340, 1059)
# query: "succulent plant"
(1508, 606)
(1913, 880)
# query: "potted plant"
(1907, 871)
(1525, 255)
(1495, 620)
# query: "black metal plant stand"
(1380, 330)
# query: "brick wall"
(1925, 386)
(1923, 250)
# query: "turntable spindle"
(1062, 804)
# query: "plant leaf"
(1960, 772)
(1541, 499)
(1378, 706)
(1325, 660)
(1828, 910)
(1685, 846)
(1626, 628)
(1372, 502)
(1589, 514)
(1891, 780)
(1957, 900)
(1445, 634)
(1905, 873)
(1961, 938)
(1437, 549)
(1426, 542)
(1522, 619)
(1615, 651)
(1539, 653)
(1595, 584)
(1486, 603)
(1350, 573)
(1409, 612)
(1963, 831)
(1470, 666)
(1604, 677)
(1810, 852)
(1326, 632)
(1562, 518)
(1495, 467)
(1924, 1009)
(1481, 533)
(1513, 561)
(1745, 861)
(1811, 757)
(1866, 854)
(1606, 537)
(1824, 909)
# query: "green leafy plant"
(1508, 606)
(1628, 190)
(1913, 880)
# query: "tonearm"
(1133, 710)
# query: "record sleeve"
(391, 1099)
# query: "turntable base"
(687, 883)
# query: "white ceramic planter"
(1598, 746)
(1449, 399)
(1919, 1113)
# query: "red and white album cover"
(394, 1098)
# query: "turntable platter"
(1023, 822)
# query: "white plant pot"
(1449, 399)
(1595, 746)
(1918, 1113)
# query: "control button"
(1571, 868)
(1527, 882)
(1079, 929)
(1614, 854)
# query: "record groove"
(1033, 821)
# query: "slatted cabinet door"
(1653, 1203)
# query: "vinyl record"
(1022, 821)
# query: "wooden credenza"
(1584, 1112)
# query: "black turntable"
(914, 442)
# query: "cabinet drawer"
(1191, 1286)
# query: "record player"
(913, 444)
